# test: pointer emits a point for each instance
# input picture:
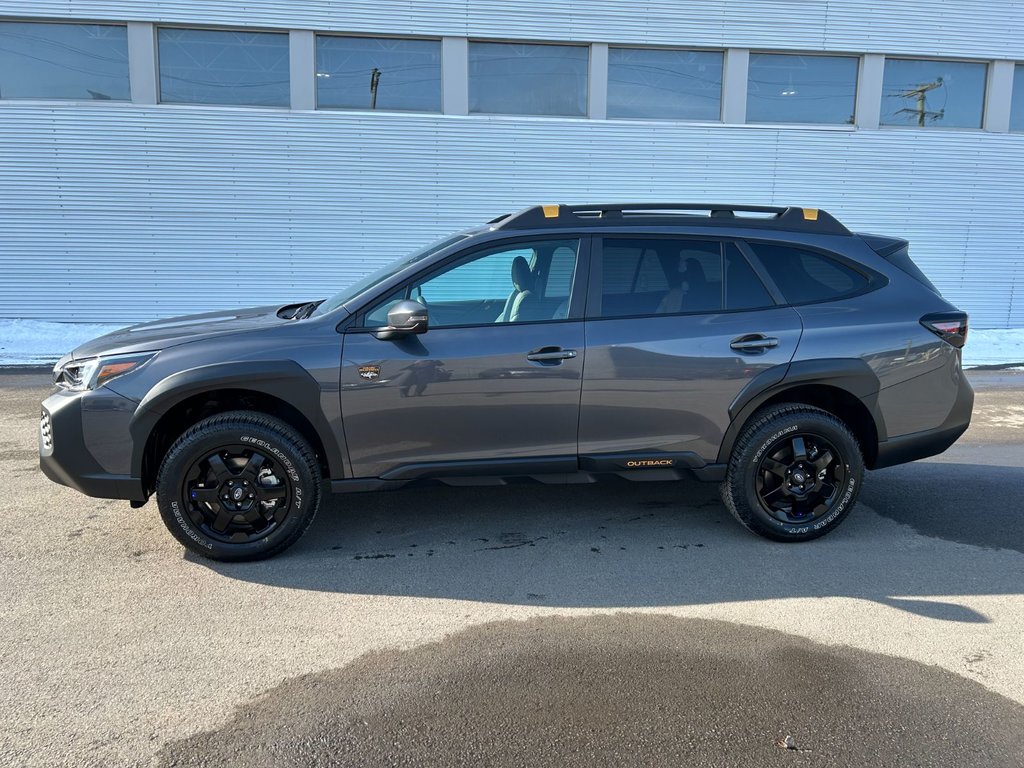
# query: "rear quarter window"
(807, 276)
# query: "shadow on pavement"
(977, 504)
(648, 544)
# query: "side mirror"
(404, 318)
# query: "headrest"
(694, 272)
(522, 277)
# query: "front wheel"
(238, 486)
(794, 474)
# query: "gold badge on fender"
(369, 372)
(650, 463)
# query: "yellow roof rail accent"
(550, 211)
(811, 214)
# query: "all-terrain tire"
(768, 430)
(295, 477)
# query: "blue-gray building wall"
(117, 212)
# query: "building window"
(64, 61)
(1017, 100)
(204, 66)
(664, 84)
(940, 94)
(378, 73)
(528, 79)
(797, 88)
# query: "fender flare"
(852, 375)
(283, 379)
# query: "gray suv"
(767, 349)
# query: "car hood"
(161, 334)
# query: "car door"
(492, 387)
(676, 327)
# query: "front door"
(676, 328)
(493, 387)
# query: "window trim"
(286, 33)
(595, 288)
(577, 295)
(368, 36)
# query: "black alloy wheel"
(794, 473)
(799, 478)
(241, 485)
(237, 494)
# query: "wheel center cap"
(799, 478)
(238, 494)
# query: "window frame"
(1018, 73)
(317, 34)
(157, 26)
(577, 288)
(684, 49)
(873, 280)
(857, 85)
(587, 46)
(985, 94)
(595, 287)
(81, 22)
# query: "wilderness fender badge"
(369, 372)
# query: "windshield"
(382, 274)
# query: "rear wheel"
(794, 474)
(239, 486)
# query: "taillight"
(948, 326)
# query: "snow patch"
(35, 342)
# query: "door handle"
(551, 355)
(754, 343)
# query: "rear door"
(676, 327)
(493, 387)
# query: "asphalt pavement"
(525, 625)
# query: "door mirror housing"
(406, 317)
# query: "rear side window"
(660, 276)
(807, 276)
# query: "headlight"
(80, 375)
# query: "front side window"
(1017, 100)
(86, 62)
(204, 66)
(797, 88)
(659, 276)
(807, 276)
(378, 73)
(528, 79)
(516, 283)
(664, 84)
(933, 94)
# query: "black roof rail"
(792, 218)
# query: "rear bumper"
(931, 442)
(65, 458)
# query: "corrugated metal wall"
(117, 213)
(928, 27)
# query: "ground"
(525, 625)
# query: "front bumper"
(64, 455)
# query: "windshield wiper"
(306, 310)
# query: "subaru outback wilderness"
(767, 349)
